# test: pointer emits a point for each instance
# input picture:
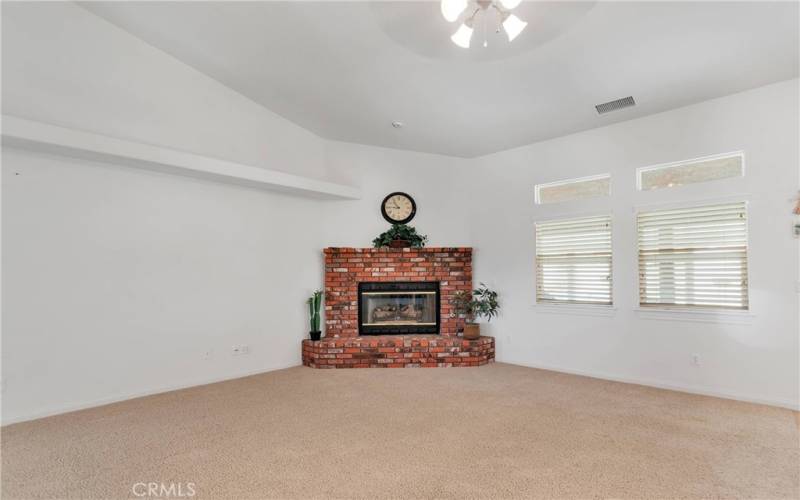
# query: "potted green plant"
(400, 236)
(314, 304)
(482, 302)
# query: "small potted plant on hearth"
(314, 304)
(400, 236)
(482, 302)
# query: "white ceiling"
(346, 70)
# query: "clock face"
(398, 208)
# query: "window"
(694, 257)
(710, 168)
(573, 189)
(573, 261)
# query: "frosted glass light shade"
(513, 26)
(451, 9)
(510, 4)
(463, 36)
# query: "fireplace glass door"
(398, 308)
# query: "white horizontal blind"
(573, 261)
(694, 257)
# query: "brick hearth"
(346, 267)
(397, 351)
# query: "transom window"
(573, 189)
(709, 168)
(694, 257)
(573, 261)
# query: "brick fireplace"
(350, 339)
(345, 268)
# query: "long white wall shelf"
(37, 136)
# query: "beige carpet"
(498, 431)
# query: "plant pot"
(472, 331)
(315, 335)
(399, 244)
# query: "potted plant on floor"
(314, 304)
(482, 302)
(400, 236)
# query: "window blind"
(694, 257)
(573, 261)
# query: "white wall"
(757, 360)
(65, 66)
(437, 184)
(117, 281)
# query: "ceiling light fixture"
(510, 4)
(513, 25)
(453, 10)
(463, 36)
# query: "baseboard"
(151, 392)
(790, 405)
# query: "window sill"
(704, 316)
(576, 309)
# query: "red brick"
(397, 351)
(345, 267)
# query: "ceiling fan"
(491, 11)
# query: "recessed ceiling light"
(397, 124)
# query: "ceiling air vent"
(610, 106)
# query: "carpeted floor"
(498, 431)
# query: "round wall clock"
(398, 208)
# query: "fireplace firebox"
(397, 308)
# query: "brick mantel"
(346, 267)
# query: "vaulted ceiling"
(346, 70)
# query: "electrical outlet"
(239, 350)
(696, 359)
(508, 339)
(208, 354)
